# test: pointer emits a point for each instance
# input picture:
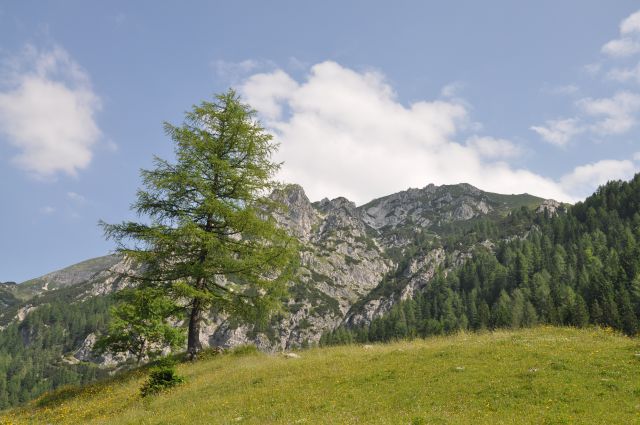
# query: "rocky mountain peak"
(340, 203)
(424, 207)
(299, 216)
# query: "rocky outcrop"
(424, 207)
(85, 353)
(299, 216)
(550, 206)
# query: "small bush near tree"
(161, 377)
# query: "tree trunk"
(193, 340)
(193, 336)
(140, 352)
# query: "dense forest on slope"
(576, 268)
(34, 353)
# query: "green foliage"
(161, 377)
(212, 240)
(36, 354)
(139, 325)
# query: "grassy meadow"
(542, 375)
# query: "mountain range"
(359, 267)
(346, 253)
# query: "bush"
(161, 377)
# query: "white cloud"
(629, 43)
(452, 90)
(631, 24)
(617, 114)
(585, 178)
(624, 75)
(490, 147)
(344, 133)
(267, 92)
(636, 156)
(593, 69)
(47, 111)
(608, 116)
(559, 132)
(621, 47)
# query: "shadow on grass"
(65, 393)
(61, 394)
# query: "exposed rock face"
(347, 253)
(85, 354)
(300, 217)
(23, 311)
(423, 207)
(550, 206)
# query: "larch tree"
(210, 240)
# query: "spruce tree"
(211, 239)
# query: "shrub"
(161, 377)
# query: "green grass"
(537, 376)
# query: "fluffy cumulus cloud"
(490, 147)
(269, 92)
(628, 42)
(631, 24)
(47, 112)
(621, 47)
(614, 115)
(626, 46)
(585, 178)
(559, 132)
(607, 116)
(624, 75)
(344, 133)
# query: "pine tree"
(501, 312)
(211, 237)
(579, 313)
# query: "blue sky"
(365, 98)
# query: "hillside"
(421, 262)
(540, 375)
